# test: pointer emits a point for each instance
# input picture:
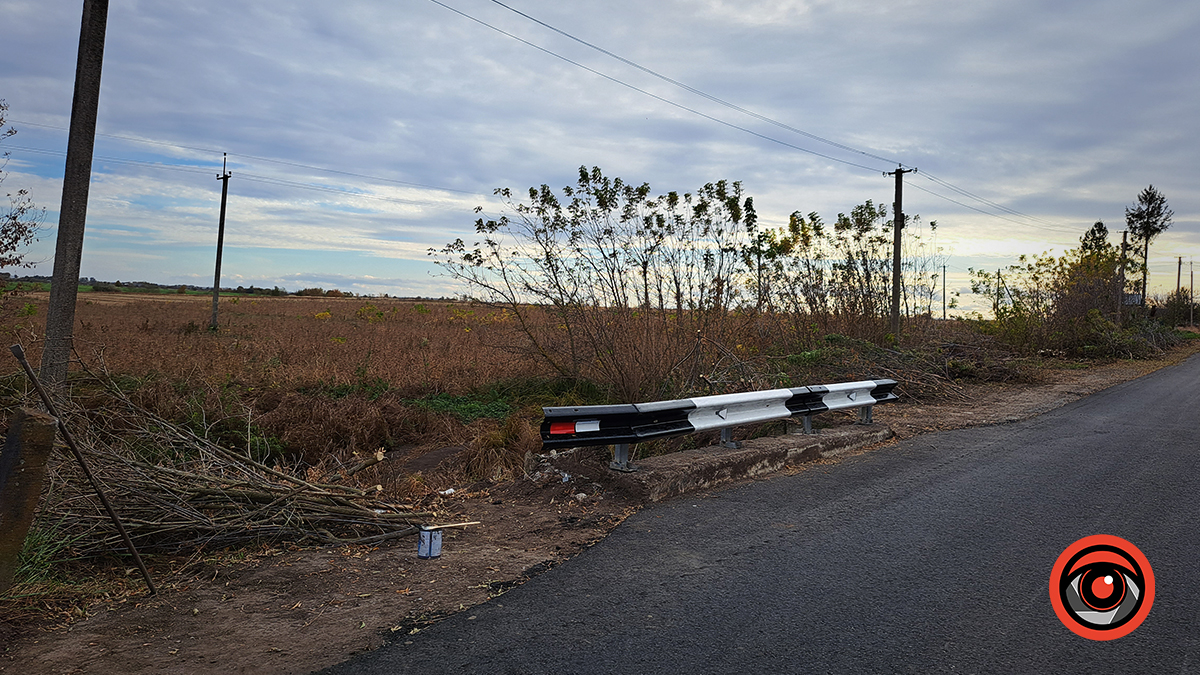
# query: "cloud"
(1061, 111)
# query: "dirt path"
(282, 611)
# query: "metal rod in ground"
(70, 441)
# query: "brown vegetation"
(319, 383)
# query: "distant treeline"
(92, 285)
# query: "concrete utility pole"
(897, 225)
(224, 178)
(72, 214)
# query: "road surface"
(931, 555)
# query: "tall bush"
(636, 283)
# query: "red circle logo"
(1101, 587)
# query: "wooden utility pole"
(1121, 277)
(224, 178)
(1145, 270)
(77, 177)
(943, 292)
(897, 225)
(1179, 275)
(996, 304)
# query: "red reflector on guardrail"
(576, 427)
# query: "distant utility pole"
(1179, 275)
(1146, 271)
(897, 225)
(1121, 277)
(996, 304)
(224, 178)
(943, 292)
(1192, 293)
(77, 177)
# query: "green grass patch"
(25, 286)
(45, 549)
(544, 392)
(465, 408)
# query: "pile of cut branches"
(176, 491)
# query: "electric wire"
(115, 160)
(284, 162)
(698, 92)
(933, 178)
(656, 97)
(682, 85)
(245, 175)
(986, 213)
(350, 193)
(982, 200)
(751, 113)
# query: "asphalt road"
(933, 555)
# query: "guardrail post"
(864, 414)
(727, 439)
(22, 471)
(807, 429)
(621, 459)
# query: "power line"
(733, 106)
(242, 175)
(946, 184)
(115, 160)
(324, 188)
(988, 202)
(986, 213)
(653, 96)
(698, 92)
(311, 167)
(124, 138)
(355, 175)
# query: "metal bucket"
(429, 545)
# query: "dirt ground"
(295, 611)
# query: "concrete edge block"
(679, 473)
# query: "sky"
(362, 133)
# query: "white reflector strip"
(584, 426)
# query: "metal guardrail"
(622, 425)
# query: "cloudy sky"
(363, 132)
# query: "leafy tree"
(1148, 219)
(1064, 304)
(836, 277)
(609, 283)
(20, 225)
(1095, 240)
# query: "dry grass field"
(308, 379)
(314, 385)
(319, 381)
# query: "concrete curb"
(666, 476)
